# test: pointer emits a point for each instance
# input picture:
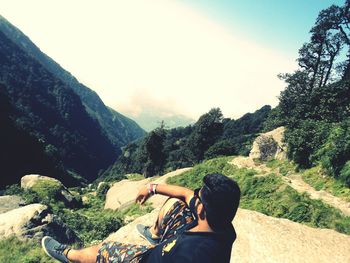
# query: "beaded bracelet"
(152, 189)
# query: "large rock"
(262, 238)
(10, 202)
(269, 146)
(34, 221)
(123, 193)
(29, 181)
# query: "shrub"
(317, 178)
(335, 152)
(13, 189)
(305, 139)
(221, 148)
(102, 191)
(93, 226)
(345, 174)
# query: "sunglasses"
(196, 194)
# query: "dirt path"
(246, 162)
(296, 182)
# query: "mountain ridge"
(119, 132)
(53, 113)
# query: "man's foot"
(145, 232)
(55, 249)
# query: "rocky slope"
(262, 238)
(34, 221)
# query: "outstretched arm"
(179, 192)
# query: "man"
(192, 226)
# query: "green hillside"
(51, 112)
(119, 129)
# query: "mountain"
(21, 152)
(51, 120)
(169, 149)
(151, 118)
(119, 129)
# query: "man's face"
(199, 207)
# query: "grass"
(269, 195)
(135, 177)
(17, 251)
(283, 167)
(317, 178)
(136, 210)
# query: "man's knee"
(169, 203)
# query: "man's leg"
(86, 255)
(156, 229)
(64, 253)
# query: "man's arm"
(179, 192)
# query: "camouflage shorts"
(176, 219)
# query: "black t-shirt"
(194, 247)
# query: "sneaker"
(146, 234)
(54, 249)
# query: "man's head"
(220, 197)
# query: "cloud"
(166, 49)
(142, 102)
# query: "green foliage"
(317, 178)
(135, 210)
(221, 148)
(91, 226)
(92, 223)
(315, 104)
(283, 167)
(13, 189)
(135, 177)
(152, 152)
(335, 152)
(102, 191)
(14, 250)
(47, 189)
(305, 139)
(47, 114)
(274, 120)
(345, 174)
(268, 195)
(209, 137)
(207, 130)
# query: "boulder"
(269, 146)
(123, 193)
(262, 238)
(10, 202)
(34, 221)
(29, 181)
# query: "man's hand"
(179, 192)
(142, 195)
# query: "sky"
(180, 57)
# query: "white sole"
(42, 245)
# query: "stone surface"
(34, 221)
(10, 202)
(262, 238)
(269, 146)
(28, 181)
(123, 193)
